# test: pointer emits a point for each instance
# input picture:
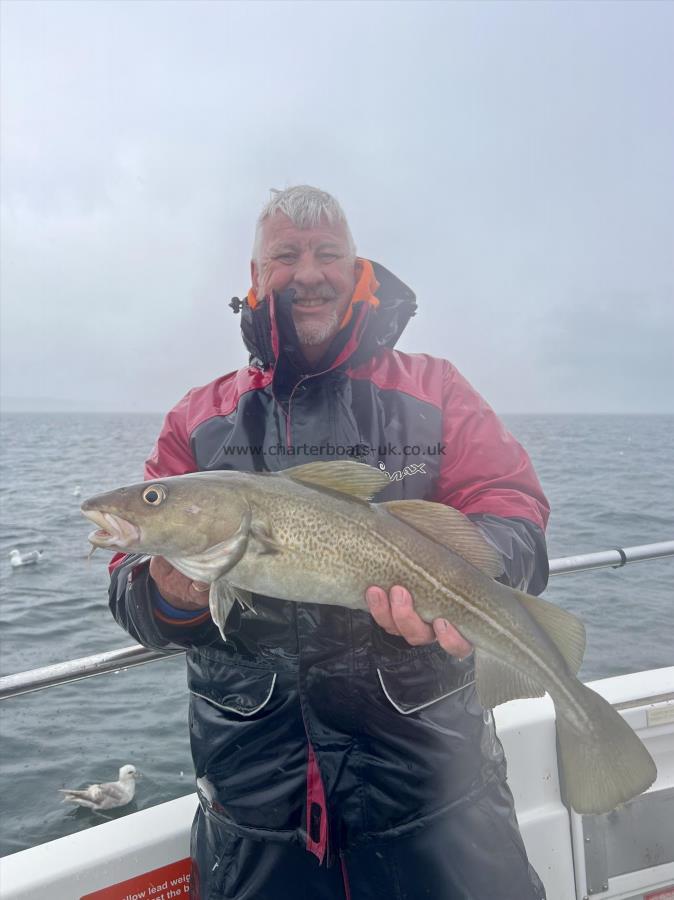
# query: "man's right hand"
(176, 588)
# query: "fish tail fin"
(605, 765)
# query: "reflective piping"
(407, 712)
(233, 708)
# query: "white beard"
(312, 333)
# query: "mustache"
(322, 292)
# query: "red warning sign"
(165, 883)
(663, 894)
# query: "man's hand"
(394, 612)
(176, 588)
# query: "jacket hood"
(369, 328)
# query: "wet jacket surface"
(310, 724)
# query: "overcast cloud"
(513, 163)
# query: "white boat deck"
(119, 860)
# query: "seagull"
(108, 795)
(26, 559)
(78, 491)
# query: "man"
(338, 754)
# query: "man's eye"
(328, 257)
(287, 257)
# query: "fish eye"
(154, 495)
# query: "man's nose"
(308, 272)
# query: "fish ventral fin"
(564, 629)
(222, 598)
(348, 477)
(497, 682)
(447, 526)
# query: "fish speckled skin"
(310, 535)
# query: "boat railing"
(136, 655)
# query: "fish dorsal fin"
(565, 630)
(347, 477)
(447, 526)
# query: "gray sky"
(513, 163)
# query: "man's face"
(318, 265)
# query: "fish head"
(180, 516)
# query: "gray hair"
(305, 206)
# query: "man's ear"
(254, 277)
(357, 270)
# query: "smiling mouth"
(311, 301)
(113, 532)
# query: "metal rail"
(127, 657)
(613, 559)
(77, 669)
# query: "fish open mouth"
(113, 532)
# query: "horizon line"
(153, 412)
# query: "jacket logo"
(412, 469)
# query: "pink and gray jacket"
(311, 724)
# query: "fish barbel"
(310, 534)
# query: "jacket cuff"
(523, 550)
(172, 615)
(132, 604)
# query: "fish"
(311, 534)
(108, 795)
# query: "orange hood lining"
(364, 291)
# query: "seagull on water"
(108, 795)
(24, 559)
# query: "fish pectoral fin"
(262, 539)
(447, 526)
(354, 479)
(497, 682)
(565, 630)
(213, 562)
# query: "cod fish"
(309, 534)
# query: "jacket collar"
(268, 331)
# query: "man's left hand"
(395, 613)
